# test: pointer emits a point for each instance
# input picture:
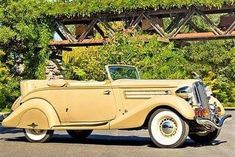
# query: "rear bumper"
(218, 124)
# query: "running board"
(83, 125)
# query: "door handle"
(107, 92)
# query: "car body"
(123, 101)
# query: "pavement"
(114, 143)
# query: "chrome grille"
(201, 96)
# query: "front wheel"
(204, 137)
(39, 136)
(167, 129)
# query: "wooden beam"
(155, 25)
(230, 29)
(101, 32)
(89, 28)
(179, 19)
(63, 31)
(90, 42)
(182, 36)
(213, 27)
(201, 36)
(108, 27)
(152, 12)
(182, 23)
(85, 42)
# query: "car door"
(91, 104)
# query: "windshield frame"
(107, 67)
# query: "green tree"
(25, 29)
(154, 59)
(214, 62)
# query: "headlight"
(208, 91)
(185, 92)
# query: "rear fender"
(33, 114)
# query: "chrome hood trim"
(144, 94)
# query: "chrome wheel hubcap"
(168, 127)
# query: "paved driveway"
(112, 144)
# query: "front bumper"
(216, 124)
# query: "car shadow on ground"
(96, 139)
(9, 131)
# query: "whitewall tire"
(167, 129)
(40, 136)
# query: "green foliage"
(9, 87)
(82, 7)
(214, 62)
(154, 59)
(25, 29)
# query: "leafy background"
(214, 61)
(26, 29)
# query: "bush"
(154, 59)
(214, 61)
(9, 88)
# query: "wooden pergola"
(149, 21)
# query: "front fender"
(136, 117)
(213, 100)
(34, 113)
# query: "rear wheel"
(204, 137)
(40, 136)
(167, 129)
(79, 134)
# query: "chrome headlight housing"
(185, 92)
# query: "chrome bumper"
(217, 124)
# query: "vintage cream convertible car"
(170, 109)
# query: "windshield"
(123, 72)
